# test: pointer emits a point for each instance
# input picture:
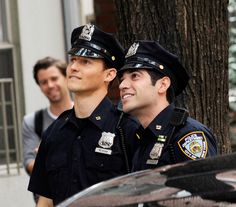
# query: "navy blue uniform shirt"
(190, 141)
(77, 153)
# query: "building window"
(3, 21)
(10, 87)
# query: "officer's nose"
(124, 83)
(73, 67)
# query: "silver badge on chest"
(132, 50)
(155, 153)
(105, 142)
(87, 32)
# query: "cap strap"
(96, 47)
(149, 61)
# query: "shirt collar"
(98, 116)
(157, 127)
(70, 117)
(104, 110)
(161, 121)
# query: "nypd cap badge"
(87, 32)
(132, 50)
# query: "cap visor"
(84, 52)
(134, 66)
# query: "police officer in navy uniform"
(93, 141)
(149, 82)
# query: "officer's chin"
(128, 109)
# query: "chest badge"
(194, 145)
(105, 142)
(155, 153)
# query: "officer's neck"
(85, 104)
(146, 116)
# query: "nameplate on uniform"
(103, 151)
(152, 162)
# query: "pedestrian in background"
(50, 75)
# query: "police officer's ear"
(110, 74)
(163, 84)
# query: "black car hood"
(207, 182)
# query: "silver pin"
(132, 50)
(98, 118)
(87, 32)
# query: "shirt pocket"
(104, 162)
(100, 167)
(58, 176)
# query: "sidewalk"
(13, 189)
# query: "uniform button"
(75, 159)
(79, 137)
(74, 180)
(101, 165)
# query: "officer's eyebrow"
(131, 70)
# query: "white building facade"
(30, 30)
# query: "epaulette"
(179, 116)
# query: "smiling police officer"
(150, 80)
(90, 143)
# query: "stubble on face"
(85, 77)
(52, 83)
(138, 94)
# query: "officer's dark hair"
(45, 63)
(170, 94)
(108, 65)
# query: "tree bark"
(197, 31)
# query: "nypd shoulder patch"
(194, 145)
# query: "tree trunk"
(197, 31)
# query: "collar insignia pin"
(98, 118)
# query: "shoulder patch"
(194, 145)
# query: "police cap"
(90, 41)
(151, 55)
